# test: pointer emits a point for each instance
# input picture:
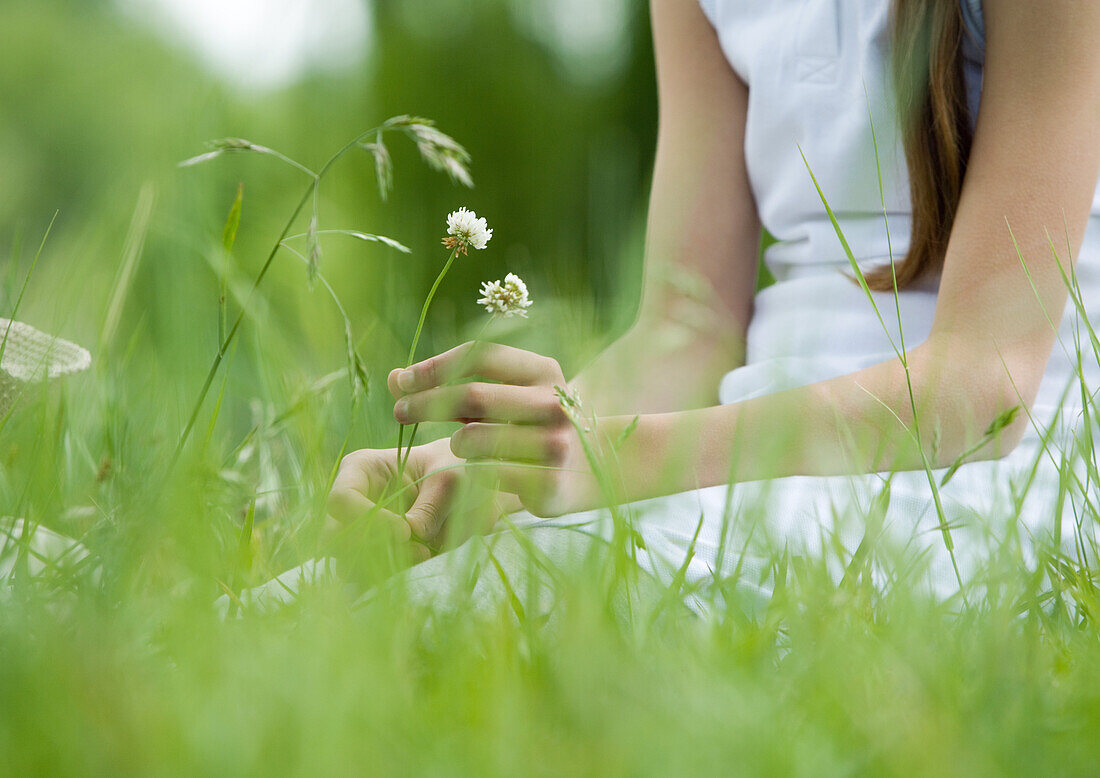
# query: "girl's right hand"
(432, 492)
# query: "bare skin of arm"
(701, 238)
(1034, 166)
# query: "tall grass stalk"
(913, 431)
(15, 310)
(416, 342)
(131, 258)
(437, 149)
(26, 283)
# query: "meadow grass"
(122, 664)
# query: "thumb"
(429, 511)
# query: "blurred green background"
(555, 99)
(120, 665)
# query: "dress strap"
(974, 21)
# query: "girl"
(958, 145)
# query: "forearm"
(858, 423)
(693, 317)
(661, 366)
(695, 308)
(702, 234)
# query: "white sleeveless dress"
(817, 74)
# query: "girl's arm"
(1034, 167)
(701, 255)
(702, 236)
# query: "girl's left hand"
(515, 429)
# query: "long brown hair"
(935, 125)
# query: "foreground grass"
(128, 670)
(832, 687)
(122, 665)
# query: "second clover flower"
(465, 229)
(507, 298)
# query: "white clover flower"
(466, 229)
(507, 298)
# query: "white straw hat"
(30, 356)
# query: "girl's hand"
(432, 489)
(515, 431)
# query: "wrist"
(648, 455)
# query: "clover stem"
(412, 352)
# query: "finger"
(495, 403)
(366, 469)
(350, 507)
(331, 529)
(512, 477)
(534, 485)
(525, 443)
(430, 510)
(347, 504)
(336, 536)
(419, 553)
(485, 360)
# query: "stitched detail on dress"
(818, 70)
(818, 42)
